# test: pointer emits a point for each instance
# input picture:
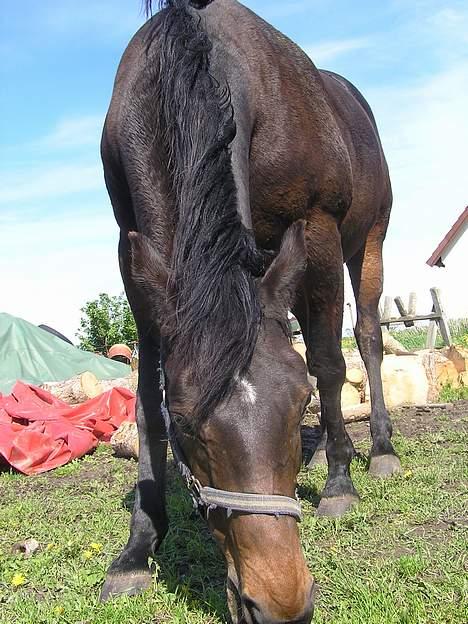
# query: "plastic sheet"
(39, 432)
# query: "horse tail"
(214, 258)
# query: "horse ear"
(281, 281)
(148, 270)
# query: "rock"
(447, 374)
(440, 371)
(355, 376)
(87, 386)
(463, 379)
(458, 356)
(90, 385)
(27, 548)
(391, 344)
(299, 346)
(355, 413)
(124, 441)
(130, 382)
(350, 396)
(404, 381)
(70, 391)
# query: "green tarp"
(32, 355)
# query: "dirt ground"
(410, 422)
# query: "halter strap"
(207, 499)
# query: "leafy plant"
(105, 321)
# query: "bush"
(105, 321)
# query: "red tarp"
(39, 432)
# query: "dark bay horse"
(242, 178)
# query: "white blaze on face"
(248, 393)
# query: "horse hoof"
(382, 466)
(336, 506)
(319, 458)
(128, 583)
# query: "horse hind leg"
(366, 273)
(129, 573)
(320, 312)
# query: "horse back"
(306, 139)
(311, 137)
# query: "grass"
(449, 394)
(399, 558)
(414, 338)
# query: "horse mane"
(214, 258)
(198, 4)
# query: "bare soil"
(410, 422)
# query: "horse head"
(250, 441)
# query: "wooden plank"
(418, 317)
(402, 310)
(412, 304)
(443, 320)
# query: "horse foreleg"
(366, 272)
(130, 573)
(320, 312)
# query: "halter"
(206, 499)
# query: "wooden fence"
(408, 317)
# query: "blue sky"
(58, 237)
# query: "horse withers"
(242, 178)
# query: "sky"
(58, 237)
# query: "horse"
(242, 179)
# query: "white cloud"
(49, 182)
(59, 264)
(424, 132)
(323, 52)
(74, 132)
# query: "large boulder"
(404, 381)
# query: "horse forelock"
(214, 259)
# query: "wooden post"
(412, 304)
(431, 334)
(443, 321)
(351, 316)
(387, 313)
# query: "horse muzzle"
(255, 613)
(244, 610)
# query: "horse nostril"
(253, 614)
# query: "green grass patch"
(399, 557)
(449, 394)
